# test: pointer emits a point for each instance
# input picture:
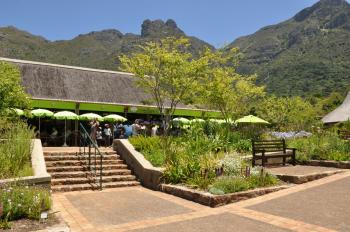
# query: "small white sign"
(43, 215)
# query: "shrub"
(325, 145)
(151, 148)
(231, 184)
(232, 164)
(24, 202)
(15, 148)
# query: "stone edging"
(328, 163)
(41, 177)
(212, 200)
(301, 179)
(149, 176)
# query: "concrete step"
(81, 162)
(79, 187)
(83, 180)
(78, 157)
(59, 153)
(52, 169)
(85, 174)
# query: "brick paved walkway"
(320, 205)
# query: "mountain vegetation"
(305, 56)
(99, 49)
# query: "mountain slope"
(305, 55)
(96, 49)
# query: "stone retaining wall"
(149, 176)
(301, 179)
(328, 163)
(41, 177)
(211, 200)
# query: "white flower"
(19, 205)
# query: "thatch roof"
(69, 83)
(340, 114)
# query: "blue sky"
(215, 21)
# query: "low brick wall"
(328, 163)
(41, 177)
(301, 179)
(211, 200)
(149, 176)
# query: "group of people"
(100, 135)
(104, 135)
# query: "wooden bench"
(265, 149)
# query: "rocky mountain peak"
(159, 28)
(324, 11)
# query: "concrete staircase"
(69, 171)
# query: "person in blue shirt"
(128, 131)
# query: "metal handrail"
(86, 141)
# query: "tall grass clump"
(232, 184)
(15, 148)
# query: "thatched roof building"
(69, 87)
(340, 114)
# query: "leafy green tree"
(167, 72)
(287, 113)
(329, 103)
(12, 94)
(225, 90)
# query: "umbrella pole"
(65, 131)
(39, 127)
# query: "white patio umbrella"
(40, 113)
(65, 115)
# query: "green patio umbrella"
(90, 116)
(65, 115)
(252, 119)
(114, 118)
(41, 113)
(18, 112)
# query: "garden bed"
(208, 199)
(25, 225)
(40, 177)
